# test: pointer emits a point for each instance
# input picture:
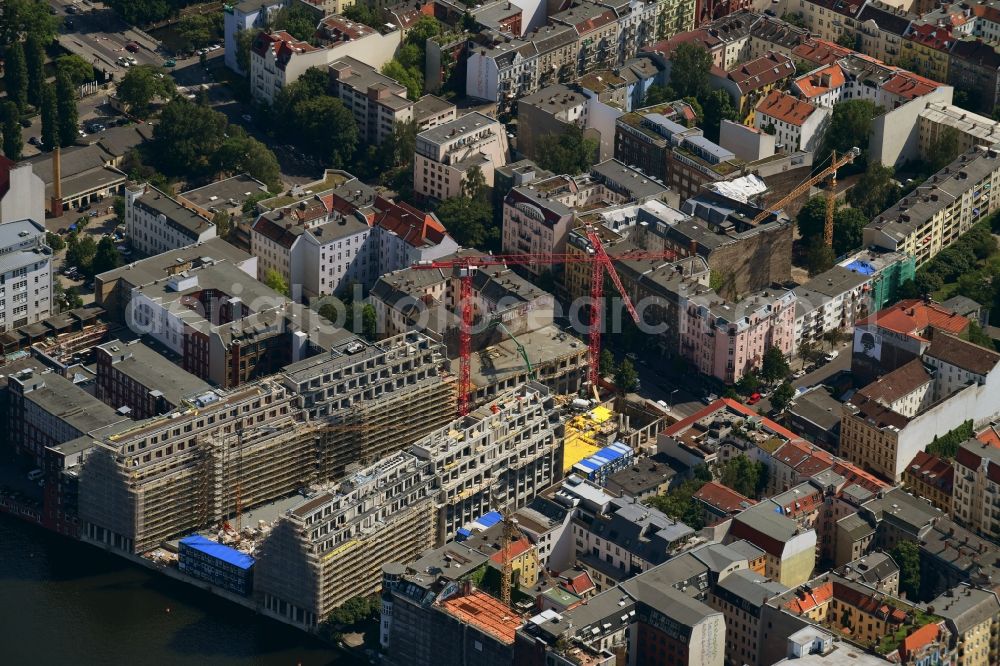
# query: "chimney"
(55, 206)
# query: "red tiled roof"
(931, 35)
(920, 638)
(723, 403)
(409, 223)
(782, 106)
(932, 470)
(762, 72)
(580, 584)
(989, 436)
(820, 51)
(909, 85)
(808, 599)
(913, 317)
(517, 549)
(814, 85)
(486, 614)
(723, 498)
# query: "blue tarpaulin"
(218, 551)
(859, 266)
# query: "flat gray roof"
(153, 371)
(160, 266)
(69, 403)
(467, 124)
(163, 204)
(238, 188)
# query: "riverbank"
(67, 602)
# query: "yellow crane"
(507, 537)
(831, 192)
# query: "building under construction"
(332, 547)
(373, 399)
(499, 456)
(227, 451)
(196, 466)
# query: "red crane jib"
(600, 262)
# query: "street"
(99, 36)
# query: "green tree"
(944, 149)
(875, 191)
(946, 446)
(297, 21)
(747, 477)
(748, 383)
(50, 116)
(67, 110)
(847, 40)
(55, 241)
(850, 127)
(277, 282)
(26, 17)
(718, 106)
(469, 222)
(76, 68)
(361, 13)
(906, 554)
(73, 299)
(690, 64)
(626, 377)
(369, 322)
(197, 31)
(678, 503)
(187, 137)
(141, 12)
(657, 94)
(774, 367)
(412, 79)
(244, 40)
(782, 396)
(141, 85)
(812, 218)
(34, 55)
(607, 364)
(15, 76)
(355, 610)
(223, 223)
(80, 252)
(567, 153)
(107, 257)
(819, 256)
(848, 230)
(241, 153)
(978, 336)
(474, 186)
(13, 143)
(326, 125)
(794, 18)
(425, 28)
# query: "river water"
(66, 603)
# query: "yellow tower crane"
(829, 172)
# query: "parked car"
(832, 355)
(170, 62)
(247, 118)
(34, 141)
(132, 47)
(93, 128)
(35, 474)
(799, 373)
(754, 398)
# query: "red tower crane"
(466, 266)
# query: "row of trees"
(142, 12)
(408, 65)
(970, 262)
(26, 17)
(625, 375)
(92, 257)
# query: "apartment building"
(972, 614)
(644, 138)
(741, 597)
(501, 455)
(880, 31)
(725, 340)
(829, 19)
(175, 474)
(975, 65)
(376, 398)
(887, 422)
(931, 478)
(278, 59)
(228, 328)
(719, 502)
(751, 81)
(113, 289)
(977, 468)
(146, 383)
(858, 77)
(156, 222)
(316, 256)
(376, 101)
(391, 510)
(941, 209)
(446, 153)
(832, 300)
(46, 409)
(795, 124)
(972, 129)
(245, 15)
(332, 546)
(25, 274)
(789, 549)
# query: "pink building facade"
(726, 340)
